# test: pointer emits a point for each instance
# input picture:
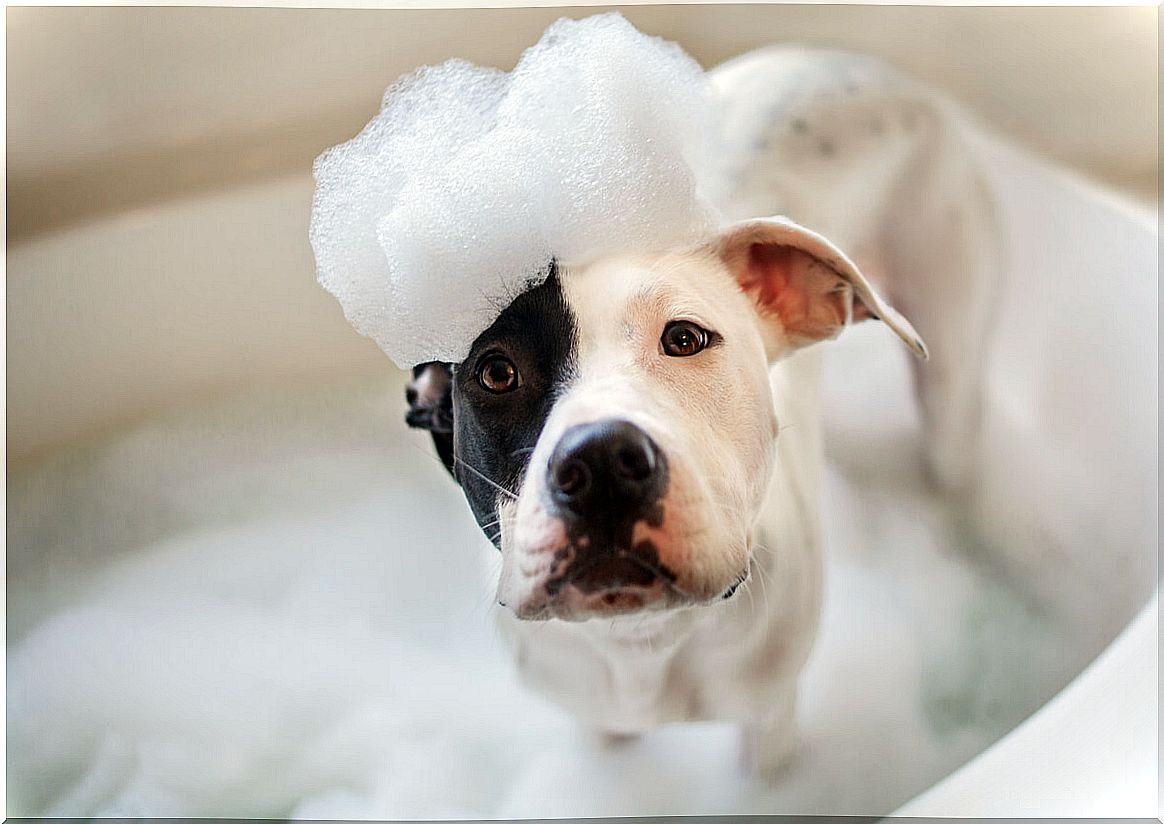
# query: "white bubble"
(460, 192)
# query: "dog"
(640, 435)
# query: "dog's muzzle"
(604, 478)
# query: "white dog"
(618, 430)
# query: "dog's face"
(614, 429)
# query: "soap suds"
(457, 195)
(306, 628)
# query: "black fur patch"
(430, 406)
(493, 435)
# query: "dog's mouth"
(622, 569)
(619, 583)
(740, 580)
(570, 603)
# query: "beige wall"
(158, 186)
(111, 107)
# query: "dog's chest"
(618, 684)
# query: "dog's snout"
(608, 466)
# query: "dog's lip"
(741, 579)
(572, 604)
(659, 596)
(660, 575)
(569, 603)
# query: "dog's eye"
(682, 339)
(497, 374)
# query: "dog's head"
(614, 429)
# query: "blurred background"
(158, 165)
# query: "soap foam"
(457, 196)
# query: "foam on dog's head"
(457, 196)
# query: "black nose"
(608, 468)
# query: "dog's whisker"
(751, 599)
(764, 592)
(457, 459)
(426, 453)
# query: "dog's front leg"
(946, 259)
(771, 741)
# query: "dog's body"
(615, 431)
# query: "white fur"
(844, 146)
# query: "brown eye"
(682, 339)
(497, 374)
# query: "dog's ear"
(430, 406)
(805, 282)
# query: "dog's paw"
(609, 739)
(768, 752)
(772, 758)
(770, 745)
(618, 740)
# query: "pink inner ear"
(861, 311)
(809, 298)
(767, 273)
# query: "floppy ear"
(805, 284)
(430, 406)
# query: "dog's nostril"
(634, 463)
(572, 477)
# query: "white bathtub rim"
(1080, 754)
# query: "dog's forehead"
(613, 296)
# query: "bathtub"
(256, 593)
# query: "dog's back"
(886, 168)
